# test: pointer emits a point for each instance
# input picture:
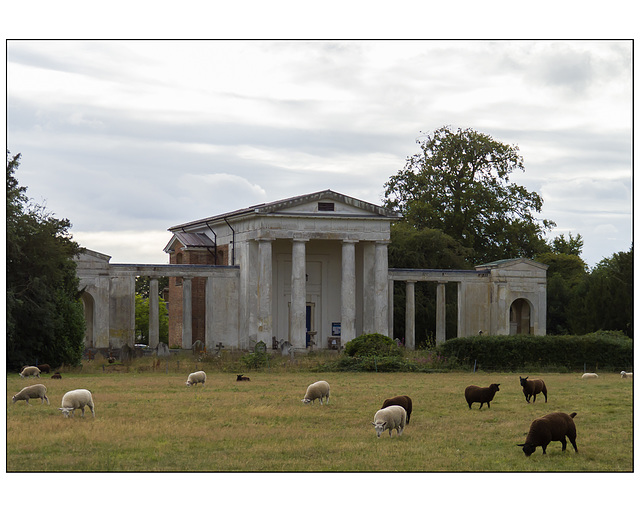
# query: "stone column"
(209, 311)
(298, 294)
(348, 292)
(410, 318)
(265, 272)
(441, 314)
(381, 289)
(154, 314)
(368, 286)
(187, 329)
(390, 307)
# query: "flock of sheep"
(393, 415)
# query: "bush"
(372, 345)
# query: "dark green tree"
(45, 318)
(459, 183)
(142, 320)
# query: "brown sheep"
(402, 401)
(241, 378)
(532, 388)
(44, 368)
(556, 426)
(483, 395)
(56, 376)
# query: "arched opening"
(520, 317)
(89, 306)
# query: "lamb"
(401, 400)
(77, 399)
(241, 378)
(30, 371)
(195, 378)
(531, 388)
(589, 375)
(319, 390)
(556, 426)
(483, 395)
(44, 368)
(56, 376)
(624, 374)
(35, 391)
(389, 418)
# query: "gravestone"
(163, 350)
(285, 348)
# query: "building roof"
(190, 240)
(512, 261)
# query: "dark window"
(326, 207)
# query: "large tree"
(45, 319)
(459, 183)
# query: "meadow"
(150, 421)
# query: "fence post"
(475, 363)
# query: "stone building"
(311, 270)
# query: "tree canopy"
(45, 318)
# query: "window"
(326, 207)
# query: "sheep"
(589, 375)
(195, 378)
(35, 391)
(241, 378)
(401, 400)
(77, 399)
(483, 395)
(556, 426)
(44, 368)
(389, 418)
(56, 376)
(624, 374)
(29, 371)
(531, 388)
(319, 390)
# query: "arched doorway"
(89, 306)
(520, 317)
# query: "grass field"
(150, 421)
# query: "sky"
(126, 138)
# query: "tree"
(459, 183)
(45, 318)
(142, 320)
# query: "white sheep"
(195, 378)
(30, 371)
(319, 390)
(35, 391)
(77, 399)
(624, 374)
(589, 375)
(389, 418)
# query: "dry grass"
(150, 421)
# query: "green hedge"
(373, 344)
(600, 350)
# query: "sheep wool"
(30, 371)
(402, 401)
(77, 399)
(530, 388)
(35, 391)
(626, 375)
(589, 375)
(390, 418)
(319, 390)
(195, 378)
(483, 395)
(556, 426)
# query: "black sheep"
(56, 376)
(401, 400)
(531, 388)
(483, 395)
(240, 377)
(44, 368)
(556, 426)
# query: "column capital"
(349, 241)
(301, 240)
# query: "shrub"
(372, 345)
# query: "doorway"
(520, 317)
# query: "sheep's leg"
(92, 411)
(481, 404)
(545, 398)
(544, 449)
(564, 443)
(489, 405)
(27, 401)
(82, 409)
(573, 442)
(534, 398)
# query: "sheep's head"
(14, 399)
(527, 448)
(306, 400)
(495, 387)
(379, 426)
(66, 411)
(523, 381)
(188, 383)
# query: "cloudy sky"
(128, 138)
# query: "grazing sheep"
(624, 375)
(77, 399)
(319, 390)
(35, 391)
(556, 426)
(401, 400)
(195, 378)
(44, 368)
(483, 395)
(589, 375)
(29, 371)
(240, 378)
(389, 418)
(531, 388)
(56, 376)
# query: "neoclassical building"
(311, 270)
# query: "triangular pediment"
(514, 264)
